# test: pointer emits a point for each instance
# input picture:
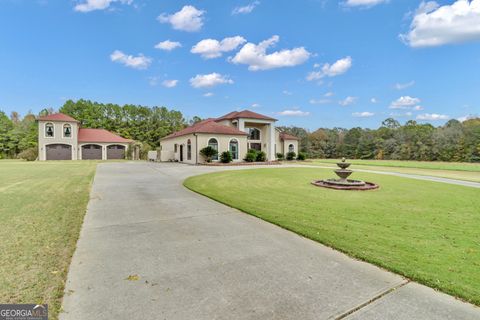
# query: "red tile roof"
(57, 117)
(244, 114)
(99, 135)
(206, 126)
(286, 136)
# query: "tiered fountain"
(344, 183)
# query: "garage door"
(92, 152)
(115, 152)
(59, 152)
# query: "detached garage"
(115, 152)
(100, 144)
(92, 152)
(58, 151)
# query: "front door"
(181, 153)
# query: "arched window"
(214, 144)
(253, 134)
(233, 148)
(49, 131)
(291, 148)
(189, 150)
(67, 131)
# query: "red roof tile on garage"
(99, 135)
(57, 117)
(245, 114)
(206, 126)
(286, 136)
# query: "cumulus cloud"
(135, 62)
(465, 118)
(255, 105)
(209, 80)
(435, 25)
(363, 3)
(401, 86)
(188, 19)
(245, 9)
(92, 5)
(211, 48)
(169, 83)
(432, 116)
(404, 102)
(364, 114)
(256, 57)
(320, 101)
(329, 94)
(168, 45)
(331, 70)
(293, 113)
(347, 101)
(208, 94)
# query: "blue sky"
(310, 63)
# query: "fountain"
(344, 183)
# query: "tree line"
(454, 141)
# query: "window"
(67, 131)
(253, 134)
(291, 148)
(175, 148)
(214, 144)
(233, 148)
(49, 130)
(189, 150)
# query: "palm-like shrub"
(301, 156)
(280, 156)
(291, 156)
(226, 157)
(251, 156)
(208, 152)
(261, 156)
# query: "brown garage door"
(92, 152)
(115, 152)
(59, 152)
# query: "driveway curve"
(151, 249)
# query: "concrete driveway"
(151, 249)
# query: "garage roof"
(99, 135)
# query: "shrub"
(250, 156)
(261, 156)
(29, 154)
(291, 156)
(280, 156)
(226, 157)
(301, 156)
(208, 153)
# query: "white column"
(271, 145)
(241, 125)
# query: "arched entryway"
(58, 152)
(115, 151)
(92, 152)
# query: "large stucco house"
(236, 132)
(60, 137)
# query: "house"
(236, 132)
(60, 137)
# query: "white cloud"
(374, 100)
(363, 3)
(188, 19)
(320, 101)
(435, 25)
(432, 116)
(138, 62)
(168, 45)
(331, 70)
(287, 93)
(211, 48)
(347, 101)
(401, 115)
(401, 86)
(92, 5)
(293, 113)
(208, 94)
(209, 80)
(418, 108)
(256, 57)
(245, 9)
(153, 81)
(169, 83)
(316, 65)
(465, 118)
(329, 94)
(404, 102)
(364, 114)
(255, 105)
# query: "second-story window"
(253, 134)
(49, 131)
(67, 131)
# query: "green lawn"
(41, 212)
(426, 231)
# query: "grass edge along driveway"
(423, 230)
(43, 205)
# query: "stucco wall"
(58, 137)
(168, 149)
(286, 143)
(223, 144)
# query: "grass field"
(460, 171)
(426, 231)
(41, 212)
